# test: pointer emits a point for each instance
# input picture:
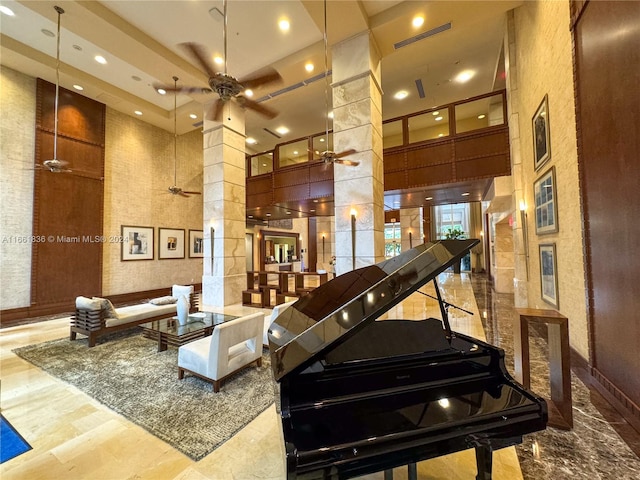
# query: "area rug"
(11, 442)
(129, 375)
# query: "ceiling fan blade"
(168, 88)
(351, 151)
(183, 194)
(261, 109)
(199, 53)
(192, 193)
(262, 78)
(349, 163)
(214, 113)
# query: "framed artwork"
(549, 274)
(196, 244)
(137, 243)
(170, 243)
(541, 136)
(546, 206)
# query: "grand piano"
(357, 395)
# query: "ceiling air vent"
(423, 35)
(295, 86)
(272, 133)
(420, 88)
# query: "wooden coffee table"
(168, 331)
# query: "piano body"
(358, 396)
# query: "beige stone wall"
(17, 148)
(139, 167)
(544, 67)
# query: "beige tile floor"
(75, 437)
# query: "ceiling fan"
(174, 189)
(226, 86)
(56, 165)
(329, 156)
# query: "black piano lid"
(336, 310)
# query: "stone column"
(224, 209)
(520, 277)
(410, 223)
(357, 124)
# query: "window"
(261, 164)
(452, 217)
(392, 243)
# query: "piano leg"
(484, 462)
(412, 472)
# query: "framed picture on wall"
(549, 274)
(546, 205)
(137, 243)
(196, 244)
(541, 135)
(170, 243)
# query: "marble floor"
(75, 437)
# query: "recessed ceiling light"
(429, 198)
(309, 67)
(295, 152)
(48, 33)
(438, 119)
(284, 25)
(288, 213)
(248, 92)
(138, 112)
(401, 94)
(322, 139)
(465, 76)
(480, 117)
(193, 115)
(135, 78)
(312, 210)
(417, 21)
(315, 201)
(465, 194)
(251, 140)
(78, 87)
(435, 113)
(268, 214)
(6, 11)
(77, 47)
(100, 59)
(441, 135)
(282, 130)
(162, 91)
(250, 216)
(330, 115)
(264, 164)
(218, 59)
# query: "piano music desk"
(560, 405)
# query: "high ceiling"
(140, 41)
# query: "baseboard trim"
(618, 400)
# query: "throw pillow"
(167, 300)
(178, 290)
(86, 303)
(110, 310)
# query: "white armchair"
(268, 320)
(232, 346)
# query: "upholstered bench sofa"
(95, 317)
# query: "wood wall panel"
(321, 189)
(68, 208)
(395, 180)
(430, 155)
(608, 121)
(482, 144)
(434, 175)
(292, 193)
(260, 184)
(294, 176)
(492, 166)
(394, 162)
(258, 200)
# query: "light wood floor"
(75, 437)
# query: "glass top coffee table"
(169, 331)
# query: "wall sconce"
(410, 240)
(353, 238)
(323, 248)
(525, 236)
